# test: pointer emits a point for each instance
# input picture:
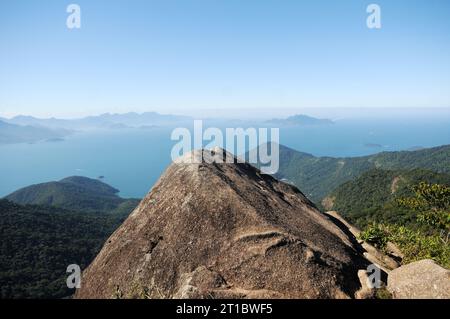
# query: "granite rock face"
(224, 231)
(420, 279)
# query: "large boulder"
(224, 231)
(420, 279)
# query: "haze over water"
(132, 160)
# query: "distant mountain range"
(106, 120)
(300, 120)
(29, 129)
(12, 133)
(76, 193)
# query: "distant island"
(373, 145)
(300, 120)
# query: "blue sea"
(132, 160)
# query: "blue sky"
(185, 55)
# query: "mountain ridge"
(319, 176)
(13, 133)
(105, 120)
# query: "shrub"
(375, 235)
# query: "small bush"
(383, 293)
(375, 235)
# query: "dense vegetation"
(373, 196)
(51, 226)
(430, 204)
(38, 243)
(319, 176)
(390, 195)
(75, 193)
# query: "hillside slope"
(371, 197)
(75, 193)
(319, 176)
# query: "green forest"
(373, 196)
(38, 243)
(46, 227)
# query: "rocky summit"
(224, 231)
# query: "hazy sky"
(178, 56)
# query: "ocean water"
(132, 160)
